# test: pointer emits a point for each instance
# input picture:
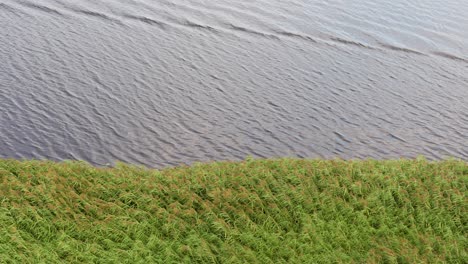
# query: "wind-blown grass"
(255, 211)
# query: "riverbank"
(267, 211)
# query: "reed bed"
(253, 211)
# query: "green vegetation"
(255, 211)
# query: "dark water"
(166, 82)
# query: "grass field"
(255, 211)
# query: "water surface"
(167, 82)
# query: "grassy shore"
(255, 211)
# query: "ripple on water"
(169, 82)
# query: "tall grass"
(255, 211)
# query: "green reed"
(255, 211)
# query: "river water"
(166, 82)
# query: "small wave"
(342, 137)
(396, 48)
(13, 10)
(7, 7)
(191, 24)
(449, 56)
(95, 14)
(41, 8)
(146, 20)
(396, 137)
(295, 35)
(350, 42)
(273, 104)
(250, 31)
(215, 77)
